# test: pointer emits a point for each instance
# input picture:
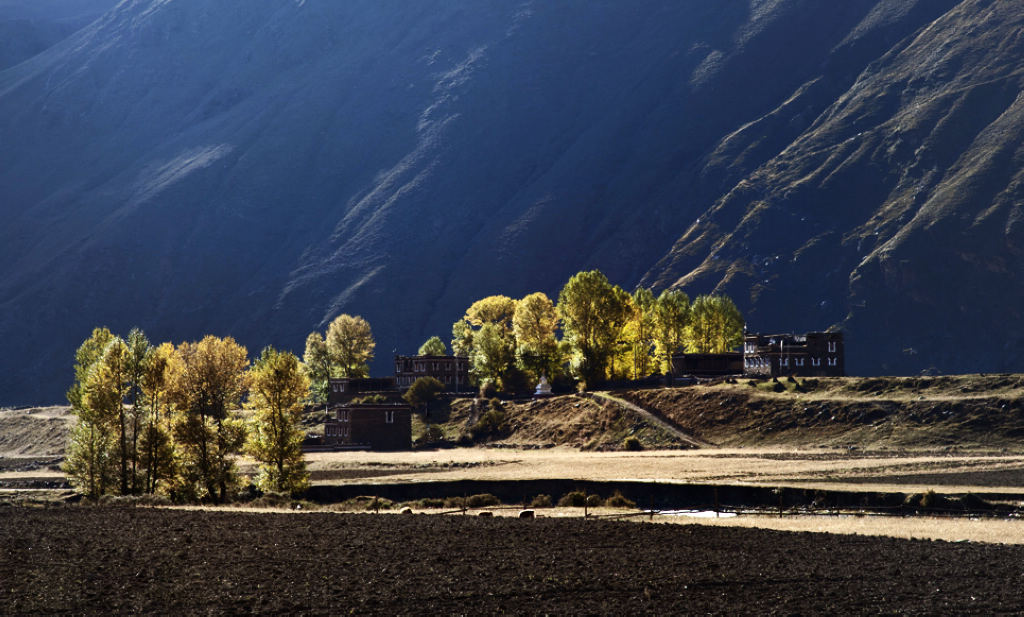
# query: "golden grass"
(997, 531)
(817, 469)
(994, 531)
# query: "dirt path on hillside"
(653, 418)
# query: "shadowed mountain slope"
(254, 168)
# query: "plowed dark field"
(104, 560)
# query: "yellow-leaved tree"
(277, 387)
(207, 382)
(534, 324)
(350, 346)
(715, 325)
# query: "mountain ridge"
(253, 169)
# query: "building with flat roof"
(372, 426)
(815, 354)
(342, 390)
(452, 371)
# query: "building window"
(799, 361)
(389, 417)
(832, 346)
(815, 361)
(832, 362)
(784, 362)
(343, 415)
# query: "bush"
(370, 399)
(491, 424)
(433, 434)
(482, 500)
(617, 500)
(364, 502)
(632, 444)
(148, 499)
(431, 502)
(423, 391)
(515, 382)
(541, 501)
(594, 501)
(575, 499)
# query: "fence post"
(651, 510)
(717, 508)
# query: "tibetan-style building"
(374, 427)
(815, 354)
(343, 390)
(708, 364)
(452, 371)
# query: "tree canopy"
(715, 325)
(433, 346)
(278, 386)
(534, 325)
(593, 312)
(350, 345)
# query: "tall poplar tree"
(350, 345)
(208, 381)
(593, 312)
(277, 388)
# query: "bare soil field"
(113, 560)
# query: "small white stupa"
(543, 387)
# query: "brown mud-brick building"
(815, 354)
(375, 427)
(452, 371)
(343, 390)
(708, 364)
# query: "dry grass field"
(818, 468)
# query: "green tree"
(592, 312)
(208, 381)
(131, 419)
(462, 338)
(534, 324)
(350, 345)
(433, 347)
(317, 363)
(278, 386)
(91, 458)
(640, 331)
(93, 462)
(86, 355)
(156, 450)
(492, 354)
(671, 316)
(422, 392)
(716, 325)
(498, 310)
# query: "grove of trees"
(167, 420)
(172, 420)
(606, 333)
(346, 351)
